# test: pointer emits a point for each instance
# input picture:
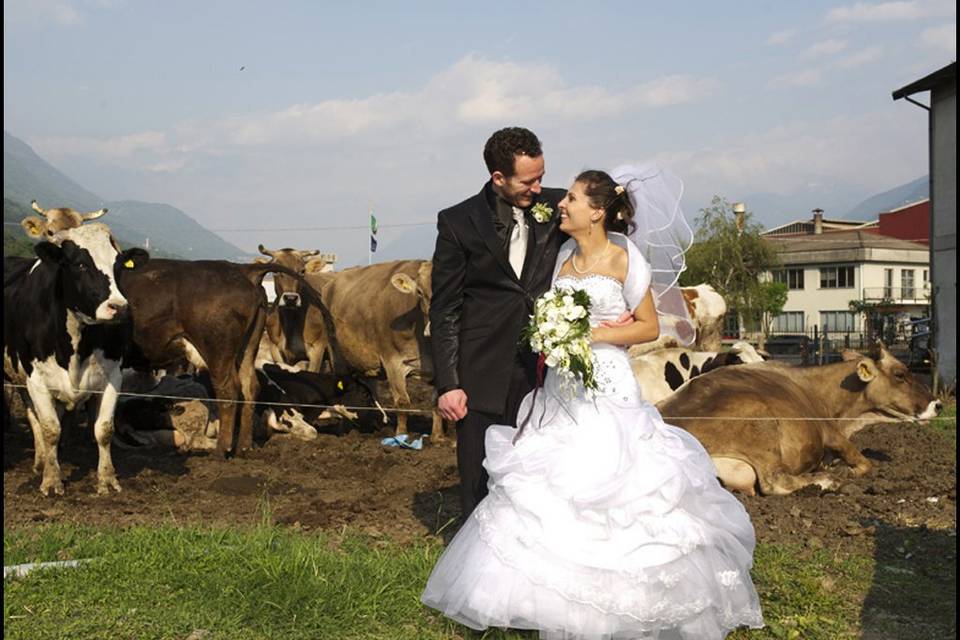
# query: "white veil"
(663, 236)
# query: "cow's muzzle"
(290, 300)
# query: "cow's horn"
(264, 250)
(36, 207)
(93, 215)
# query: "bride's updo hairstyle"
(603, 192)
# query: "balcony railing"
(897, 295)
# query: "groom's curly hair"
(502, 147)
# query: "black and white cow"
(661, 373)
(63, 333)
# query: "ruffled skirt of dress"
(601, 522)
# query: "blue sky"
(388, 104)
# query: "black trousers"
(470, 436)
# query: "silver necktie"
(518, 241)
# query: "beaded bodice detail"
(606, 295)
(611, 364)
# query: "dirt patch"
(355, 481)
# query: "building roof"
(832, 247)
(844, 239)
(908, 205)
(806, 226)
(929, 82)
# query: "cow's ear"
(48, 252)
(133, 258)
(866, 370)
(34, 226)
(849, 355)
(315, 265)
(403, 283)
(262, 260)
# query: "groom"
(495, 255)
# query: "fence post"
(816, 344)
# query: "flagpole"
(369, 234)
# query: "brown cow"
(54, 220)
(210, 312)
(751, 417)
(291, 338)
(380, 313)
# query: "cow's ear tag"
(340, 385)
(128, 264)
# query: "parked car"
(918, 355)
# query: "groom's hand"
(453, 405)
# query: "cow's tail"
(255, 273)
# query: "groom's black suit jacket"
(479, 306)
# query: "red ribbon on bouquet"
(541, 370)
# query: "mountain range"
(170, 232)
(165, 230)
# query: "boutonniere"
(541, 212)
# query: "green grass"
(270, 582)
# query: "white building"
(829, 263)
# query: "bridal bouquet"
(559, 331)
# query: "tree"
(771, 298)
(733, 259)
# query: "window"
(888, 283)
(906, 284)
(788, 322)
(731, 325)
(926, 278)
(793, 278)
(838, 321)
(836, 278)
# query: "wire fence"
(380, 409)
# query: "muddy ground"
(902, 514)
(354, 480)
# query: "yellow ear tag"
(340, 385)
(128, 264)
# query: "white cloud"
(942, 38)
(796, 79)
(891, 11)
(780, 38)
(860, 58)
(825, 48)
(787, 157)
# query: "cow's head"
(53, 221)
(287, 289)
(421, 287)
(87, 259)
(890, 389)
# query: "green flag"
(373, 223)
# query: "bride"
(602, 521)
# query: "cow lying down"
(770, 427)
(187, 425)
(661, 373)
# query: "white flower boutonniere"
(541, 212)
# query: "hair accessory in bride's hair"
(620, 213)
(619, 191)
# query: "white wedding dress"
(602, 521)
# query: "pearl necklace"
(573, 262)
